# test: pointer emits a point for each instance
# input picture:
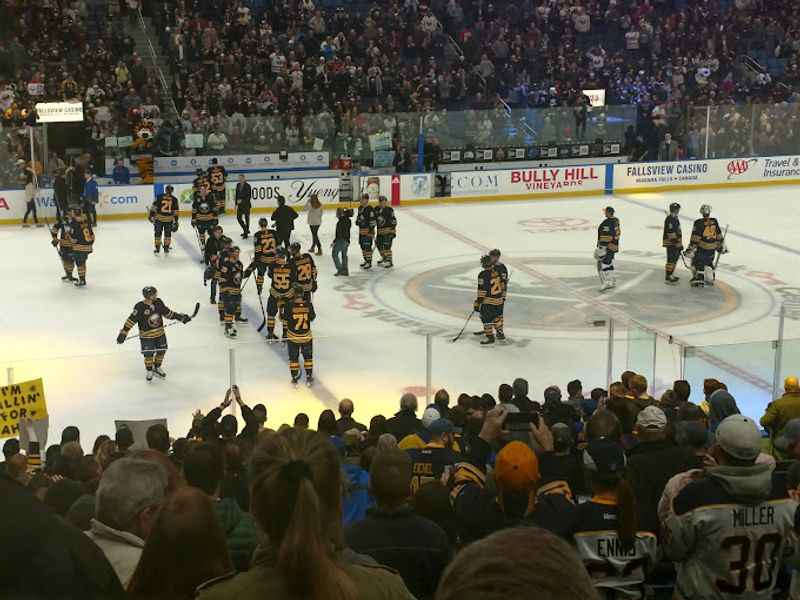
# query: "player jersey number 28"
(304, 272)
(497, 286)
(762, 555)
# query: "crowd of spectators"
(296, 73)
(250, 76)
(608, 494)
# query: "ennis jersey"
(282, 277)
(204, 210)
(728, 548)
(164, 209)
(386, 221)
(706, 234)
(490, 288)
(149, 318)
(82, 236)
(608, 234)
(366, 220)
(672, 233)
(230, 276)
(431, 463)
(305, 271)
(216, 176)
(298, 315)
(265, 246)
(617, 571)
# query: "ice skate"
(488, 341)
(160, 372)
(149, 375)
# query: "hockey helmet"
(235, 250)
(294, 247)
(674, 207)
(226, 240)
(494, 253)
(705, 210)
(609, 210)
(486, 261)
(198, 171)
(149, 292)
(281, 253)
(263, 222)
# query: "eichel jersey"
(149, 318)
(203, 209)
(82, 236)
(164, 208)
(298, 315)
(672, 232)
(490, 287)
(366, 220)
(266, 246)
(608, 234)
(216, 177)
(230, 275)
(386, 221)
(706, 234)
(282, 277)
(430, 464)
(725, 549)
(305, 271)
(617, 572)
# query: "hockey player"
(366, 221)
(149, 315)
(82, 237)
(200, 182)
(215, 266)
(305, 271)
(204, 215)
(281, 272)
(230, 290)
(164, 217)
(705, 242)
(608, 235)
(673, 242)
(217, 175)
(266, 245)
(63, 242)
(489, 302)
(503, 272)
(298, 313)
(387, 231)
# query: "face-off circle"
(442, 290)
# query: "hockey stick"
(263, 314)
(192, 316)
(460, 333)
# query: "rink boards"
(133, 201)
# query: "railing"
(153, 58)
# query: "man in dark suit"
(243, 192)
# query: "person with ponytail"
(296, 491)
(617, 554)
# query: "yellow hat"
(790, 384)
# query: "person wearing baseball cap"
(419, 438)
(604, 530)
(779, 412)
(738, 499)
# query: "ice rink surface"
(369, 336)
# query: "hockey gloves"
(476, 306)
(121, 337)
(183, 318)
(175, 225)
